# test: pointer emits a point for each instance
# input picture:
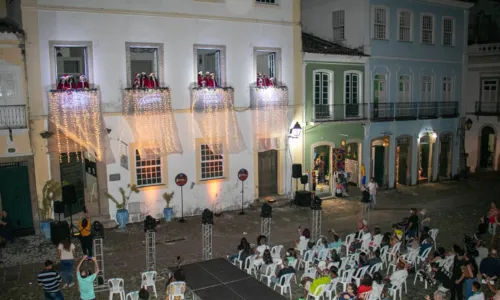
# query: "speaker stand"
(73, 230)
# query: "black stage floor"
(218, 279)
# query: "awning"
(149, 114)
(79, 124)
(213, 112)
(270, 115)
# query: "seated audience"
(282, 270)
(366, 285)
(310, 284)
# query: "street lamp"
(468, 124)
(295, 130)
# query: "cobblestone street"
(454, 208)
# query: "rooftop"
(314, 44)
(8, 25)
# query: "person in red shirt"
(365, 286)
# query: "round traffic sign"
(242, 174)
(181, 179)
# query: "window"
(148, 167)
(352, 88)
(380, 23)
(490, 90)
(448, 31)
(212, 161)
(404, 93)
(404, 34)
(266, 63)
(447, 89)
(322, 88)
(427, 29)
(338, 25)
(71, 61)
(426, 88)
(380, 88)
(144, 58)
(209, 60)
(266, 1)
(8, 93)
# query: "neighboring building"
(335, 107)
(111, 135)
(482, 107)
(414, 78)
(484, 22)
(17, 181)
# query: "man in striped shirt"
(50, 281)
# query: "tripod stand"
(73, 230)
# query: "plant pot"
(122, 217)
(45, 227)
(168, 212)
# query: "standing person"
(443, 279)
(372, 188)
(86, 279)
(412, 227)
(458, 263)
(492, 219)
(66, 255)
(50, 280)
(84, 226)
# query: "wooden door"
(424, 159)
(15, 194)
(403, 164)
(443, 157)
(72, 172)
(379, 165)
(268, 173)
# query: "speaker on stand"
(69, 198)
(296, 173)
(304, 179)
(58, 209)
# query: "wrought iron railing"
(448, 109)
(406, 110)
(413, 110)
(382, 111)
(13, 116)
(428, 110)
(340, 112)
(487, 108)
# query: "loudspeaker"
(58, 207)
(266, 211)
(69, 194)
(303, 198)
(59, 231)
(296, 170)
(304, 179)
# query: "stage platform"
(217, 279)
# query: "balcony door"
(323, 110)
(487, 148)
(352, 95)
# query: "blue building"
(413, 80)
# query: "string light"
(271, 106)
(77, 117)
(213, 110)
(149, 113)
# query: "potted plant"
(51, 191)
(122, 212)
(168, 211)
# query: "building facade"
(414, 78)
(335, 109)
(146, 116)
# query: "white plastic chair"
(377, 292)
(383, 255)
(331, 289)
(309, 273)
(333, 264)
(324, 254)
(348, 241)
(392, 253)
(318, 293)
(307, 259)
(237, 261)
(176, 290)
(375, 268)
(149, 280)
(346, 278)
(249, 265)
(358, 275)
(116, 286)
(423, 257)
(365, 246)
(397, 288)
(377, 239)
(276, 251)
(268, 273)
(433, 233)
(132, 296)
(284, 284)
(303, 247)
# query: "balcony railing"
(340, 112)
(488, 108)
(413, 110)
(12, 116)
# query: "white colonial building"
(482, 107)
(112, 134)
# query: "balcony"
(413, 110)
(487, 108)
(340, 112)
(13, 117)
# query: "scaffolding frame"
(98, 250)
(316, 223)
(206, 231)
(265, 228)
(151, 251)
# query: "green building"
(336, 109)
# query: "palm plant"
(168, 198)
(132, 188)
(51, 191)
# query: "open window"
(209, 61)
(267, 66)
(71, 64)
(266, 63)
(144, 59)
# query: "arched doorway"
(425, 157)
(487, 147)
(352, 162)
(403, 160)
(445, 155)
(321, 165)
(380, 159)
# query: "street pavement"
(454, 208)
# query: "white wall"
(109, 32)
(317, 19)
